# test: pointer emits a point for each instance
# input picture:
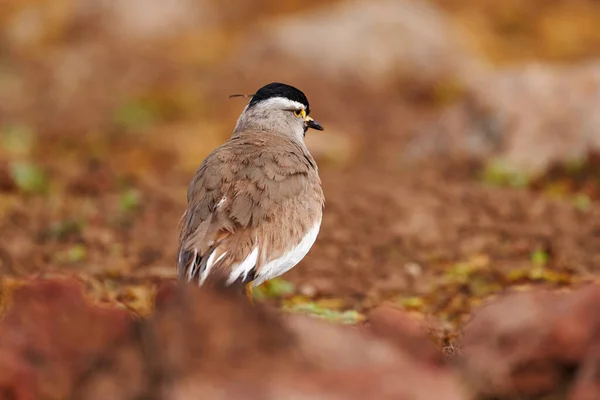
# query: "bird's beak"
(311, 123)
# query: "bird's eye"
(300, 113)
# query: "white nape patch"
(282, 103)
(289, 260)
(209, 264)
(243, 268)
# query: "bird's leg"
(249, 291)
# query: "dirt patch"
(433, 236)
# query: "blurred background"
(457, 157)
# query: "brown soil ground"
(434, 238)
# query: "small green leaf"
(136, 115)
(313, 309)
(496, 172)
(413, 302)
(461, 272)
(540, 257)
(582, 202)
(29, 177)
(276, 288)
(349, 317)
(129, 201)
(76, 253)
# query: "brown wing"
(245, 185)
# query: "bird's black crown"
(277, 89)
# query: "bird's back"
(252, 201)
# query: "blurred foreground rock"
(536, 343)
(406, 332)
(198, 344)
(51, 337)
(202, 343)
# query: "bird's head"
(279, 108)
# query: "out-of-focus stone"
(405, 331)
(503, 337)
(587, 386)
(530, 117)
(370, 43)
(529, 344)
(337, 347)
(578, 324)
(342, 363)
(50, 335)
(200, 343)
(151, 19)
(39, 22)
(191, 337)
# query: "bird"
(255, 204)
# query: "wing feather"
(231, 196)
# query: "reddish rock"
(530, 343)
(389, 383)
(217, 331)
(587, 386)
(340, 362)
(577, 324)
(49, 337)
(202, 343)
(406, 332)
(335, 347)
